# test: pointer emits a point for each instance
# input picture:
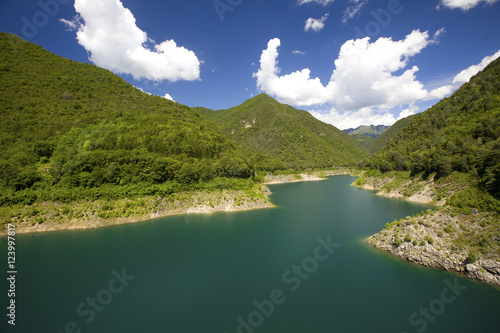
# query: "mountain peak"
(292, 136)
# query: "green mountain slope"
(381, 141)
(362, 139)
(293, 136)
(68, 128)
(459, 134)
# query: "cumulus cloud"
(321, 2)
(412, 109)
(167, 96)
(370, 84)
(108, 31)
(463, 4)
(353, 8)
(298, 52)
(315, 24)
(363, 76)
(296, 88)
(364, 116)
(465, 75)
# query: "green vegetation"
(292, 136)
(472, 257)
(217, 194)
(73, 131)
(362, 139)
(381, 141)
(459, 138)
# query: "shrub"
(473, 256)
(449, 229)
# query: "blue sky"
(348, 62)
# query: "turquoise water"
(299, 268)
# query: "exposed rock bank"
(41, 217)
(270, 179)
(442, 240)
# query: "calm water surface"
(298, 268)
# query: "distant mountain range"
(364, 135)
(371, 130)
(375, 145)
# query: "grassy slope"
(293, 136)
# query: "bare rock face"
(429, 240)
(487, 271)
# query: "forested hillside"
(75, 131)
(292, 136)
(381, 141)
(459, 134)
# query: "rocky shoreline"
(439, 239)
(44, 217)
(271, 179)
(50, 216)
(430, 240)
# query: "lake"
(299, 268)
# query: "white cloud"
(463, 4)
(321, 2)
(108, 31)
(363, 77)
(167, 96)
(298, 52)
(364, 116)
(315, 24)
(466, 74)
(412, 109)
(441, 92)
(363, 88)
(353, 119)
(71, 25)
(353, 8)
(437, 35)
(296, 88)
